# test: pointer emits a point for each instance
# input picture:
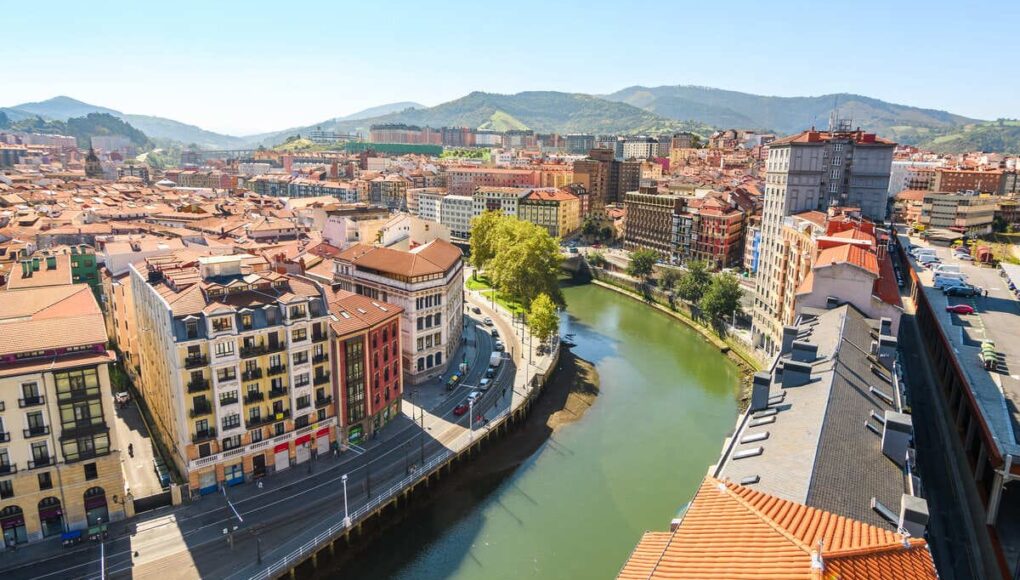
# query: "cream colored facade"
(796, 254)
(558, 212)
(237, 378)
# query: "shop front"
(12, 521)
(51, 517)
(322, 441)
(96, 510)
(207, 481)
(282, 456)
(233, 474)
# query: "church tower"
(93, 168)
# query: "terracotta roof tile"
(735, 532)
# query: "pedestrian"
(986, 292)
(260, 484)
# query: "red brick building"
(464, 180)
(720, 233)
(957, 180)
(369, 383)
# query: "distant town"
(250, 357)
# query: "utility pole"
(347, 515)
(421, 440)
(471, 420)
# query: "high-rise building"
(234, 365)
(651, 221)
(579, 143)
(59, 459)
(814, 170)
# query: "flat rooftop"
(997, 391)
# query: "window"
(202, 425)
(45, 481)
(304, 401)
(91, 471)
(301, 380)
(301, 357)
(222, 323)
(231, 421)
(226, 374)
(40, 453)
(255, 435)
(6, 489)
(232, 442)
(85, 447)
(30, 391)
(228, 398)
(299, 334)
(247, 321)
(81, 414)
(224, 349)
(191, 328)
(298, 311)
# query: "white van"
(946, 269)
(949, 279)
(917, 252)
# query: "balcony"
(251, 375)
(254, 397)
(304, 404)
(198, 385)
(8, 469)
(254, 350)
(201, 409)
(323, 401)
(76, 394)
(301, 338)
(256, 422)
(37, 431)
(274, 393)
(42, 462)
(278, 347)
(193, 361)
(301, 360)
(320, 358)
(319, 336)
(31, 401)
(320, 379)
(228, 401)
(204, 435)
(280, 416)
(277, 370)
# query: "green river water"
(578, 505)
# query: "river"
(576, 507)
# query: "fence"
(144, 504)
(328, 535)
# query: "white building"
(503, 199)
(455, 212)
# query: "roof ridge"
(880, 549)
(769, 521)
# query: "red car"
(460, 409)
(960, 309)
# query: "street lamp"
(471, 420)
(347, 516)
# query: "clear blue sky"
(242, 67)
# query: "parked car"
(499, 346)
(964, 257)
(965, 290)
(487, 321)
(460, 409)
(484, 384)
(474, 396)
(490, 373)
(494, 333)
(960, 309)
(476, 310)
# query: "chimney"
(35, 264)
(26, 269)
(913, 515)
(789, 335)
(886, 325)
(760, 391)
(896, 435)
(804, 351)
(51, 262)
(887, 350)
(796, 373)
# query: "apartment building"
(502, 199)
(59, 459)
(718, 227)
(235, 366)
(389, 191)
(556, 210)
(814, 170)
(343, 191)
(963, 180)
(652, 222)
(456, 212)
(427, 283)
(963, 213)
(366, 352)
(464, 180)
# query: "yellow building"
(59, 459)
(234, 366)
(556, 210)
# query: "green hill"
(1002, 136)
(788, 115)
(81, 128)
(500, 121)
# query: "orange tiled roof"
(731, 531)
(848, 253)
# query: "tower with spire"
(93, 168)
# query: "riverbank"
(747, 364)
(571, 390)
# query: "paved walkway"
(139, 471)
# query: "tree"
(641, 262)
(590, 228)
(485, 229)
(526, 262)
(722, 297)
(694, 282)
(669, 278)
(597, 259)
(542, 318)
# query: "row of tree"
(717, 295)
(522, 261)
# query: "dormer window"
(222, 323)
(191, 327)
(298, 311)
(247, 321)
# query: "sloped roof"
(734, 532)
(850, 254)
(435, 257)
(49, 318)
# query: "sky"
(248, 67)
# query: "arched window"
(51, 518)
(421, 364)
(96, 511)
(10, 511)
(428, 361)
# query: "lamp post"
(347, 515)
(471, 420)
